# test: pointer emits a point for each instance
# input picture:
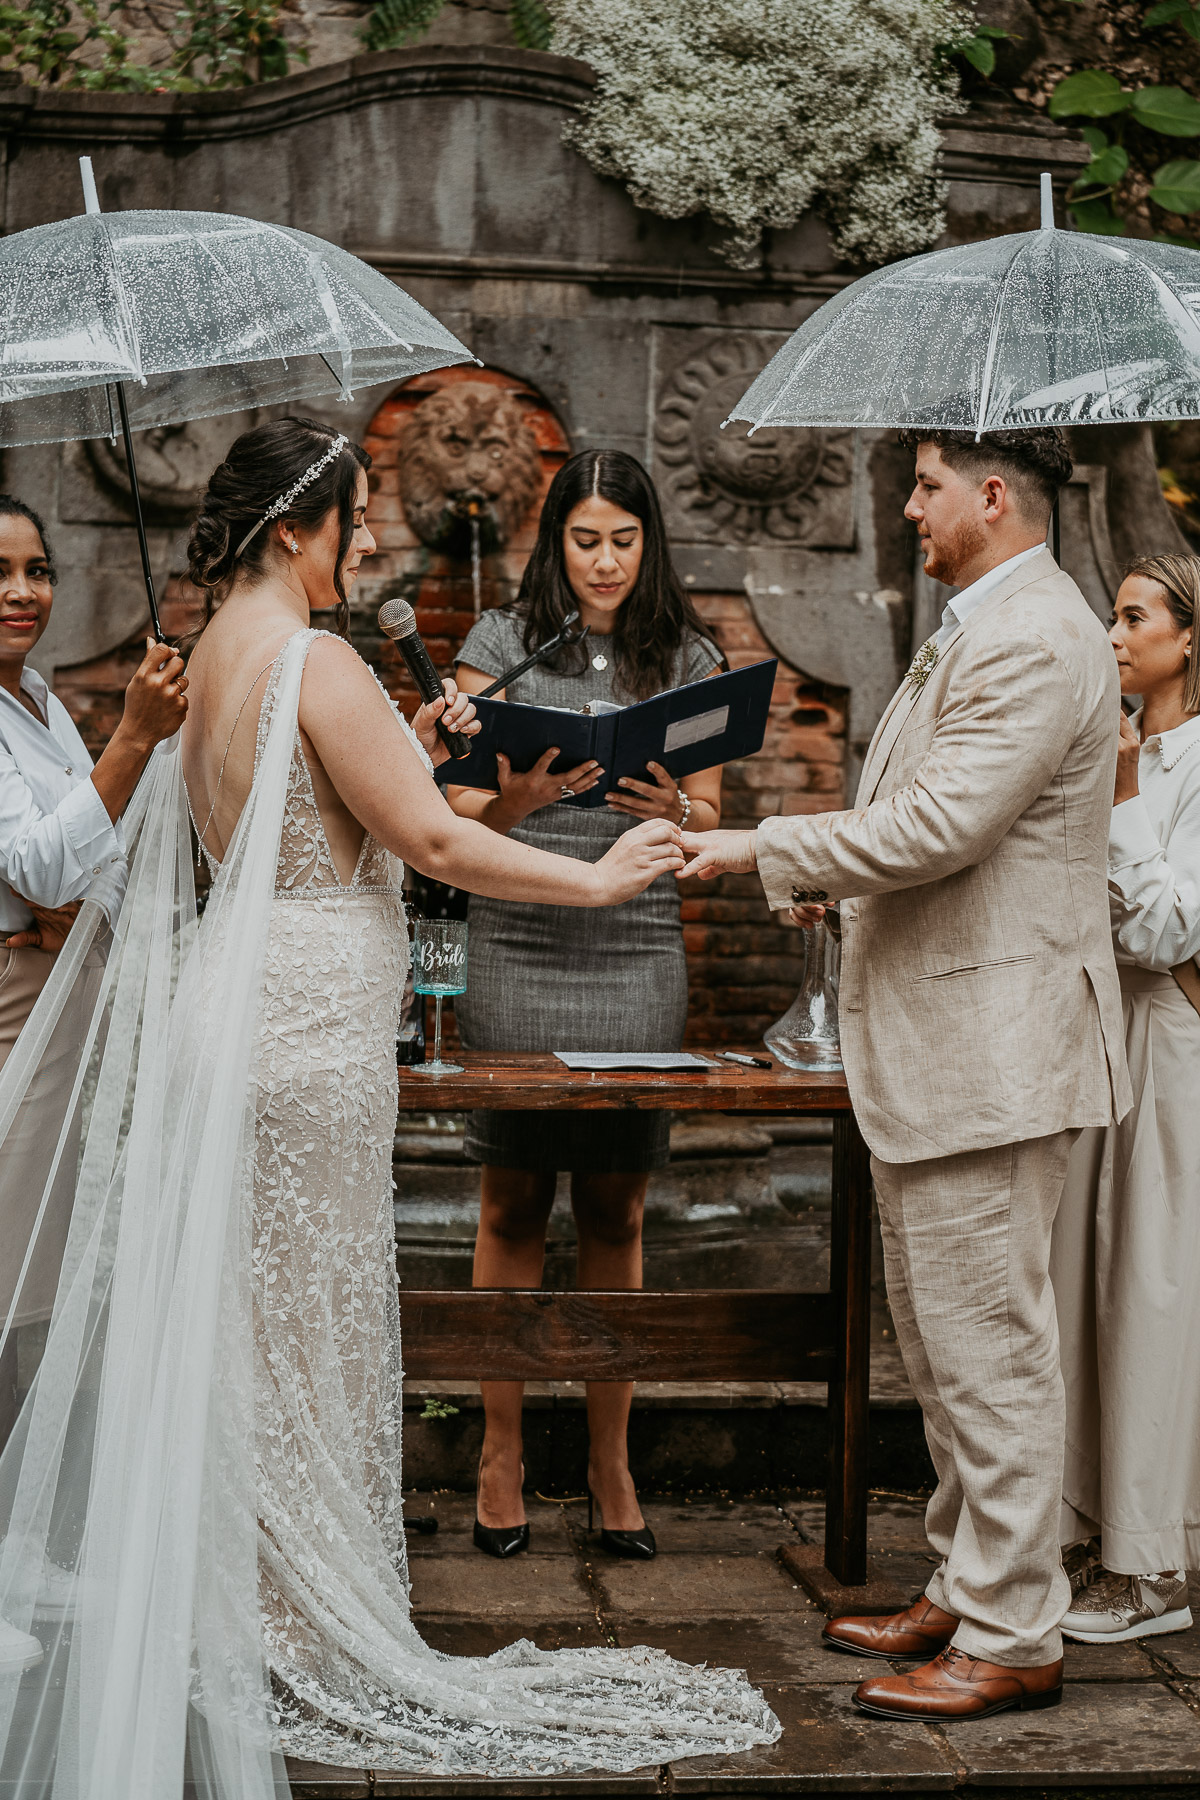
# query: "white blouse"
(57, 842)
(1154, 854)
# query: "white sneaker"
(1115, 1608)
(17, 1649)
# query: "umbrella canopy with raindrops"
(121, 321)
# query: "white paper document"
(598, 1060)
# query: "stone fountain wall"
(598, 325)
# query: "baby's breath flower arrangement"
(756, 111)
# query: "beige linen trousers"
(1125, 1252)
(981, 1029)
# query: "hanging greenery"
(213, 44)
(755, 111)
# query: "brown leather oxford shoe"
(922, 1630)
(958, 1686)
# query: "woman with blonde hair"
(1126, 1255)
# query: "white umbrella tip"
(91, 199)
(1047, 202)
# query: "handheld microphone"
(398, 621)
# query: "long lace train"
(212, 1449)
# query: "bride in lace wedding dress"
(202, 1567)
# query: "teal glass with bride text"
(439, 967)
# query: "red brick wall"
(744, 969)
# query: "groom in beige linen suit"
(980, 1029)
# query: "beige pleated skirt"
(1125, 1264)
(23, 975)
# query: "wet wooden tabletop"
(530, 1082)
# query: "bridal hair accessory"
(278, 507)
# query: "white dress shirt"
(959, 609)
(1154, 854)
(57, 842)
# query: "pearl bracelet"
(685, 800)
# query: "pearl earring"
(294, 547)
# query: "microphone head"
(397, 619)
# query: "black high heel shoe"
(500, 1540)
(637, 1546)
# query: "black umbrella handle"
(143, 546)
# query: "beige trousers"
(23, 975)
(966, 1245)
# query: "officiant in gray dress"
(565, 978)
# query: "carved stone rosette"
(782, 485)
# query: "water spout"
(476, 566)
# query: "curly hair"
(260, 466)
(12, 508)
(1035, 464)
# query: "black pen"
(751, 1062)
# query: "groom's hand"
(716, 853)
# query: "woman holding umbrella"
(59, 833)
(1126, 1248)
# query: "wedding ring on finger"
(568, 793)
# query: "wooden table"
(697, 1334)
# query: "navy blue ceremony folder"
(688, 728)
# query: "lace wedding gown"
(212, 1449)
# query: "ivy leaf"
(1097, 217)
(1094, 138)
(979, 52)
(1094, 93)
(1167, 109)
(1177, 187)
(394, 23)
(1182, 12)
(531, 24)
(1104, 170)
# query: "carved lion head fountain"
(467, 455)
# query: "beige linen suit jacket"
(979, 1002)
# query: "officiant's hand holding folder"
(688, 728)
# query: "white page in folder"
(599, 1060)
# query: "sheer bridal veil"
(128, 1496)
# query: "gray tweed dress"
(565, 977)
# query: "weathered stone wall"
(445, 168)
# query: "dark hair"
(1036, 464)
(260, 466)
(11, 508)
(656, 617)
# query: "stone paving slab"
(770, 1647)
(459, 1636)
(1108, 1735)
(388, 1786)
(549, 1525)
(825, 1744)
(673, 1586)
(550, 1586)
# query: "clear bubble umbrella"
(119, 321)
(1041, 327)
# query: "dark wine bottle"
(410, 1038)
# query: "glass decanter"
(807, 1035)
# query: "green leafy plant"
(438, 1409)
(395, 23)
(979, 47)
(1166, 112)
(531, 24)
(214, 44)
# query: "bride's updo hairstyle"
(260, 468)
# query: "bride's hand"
(636, 859)
(457, 713)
